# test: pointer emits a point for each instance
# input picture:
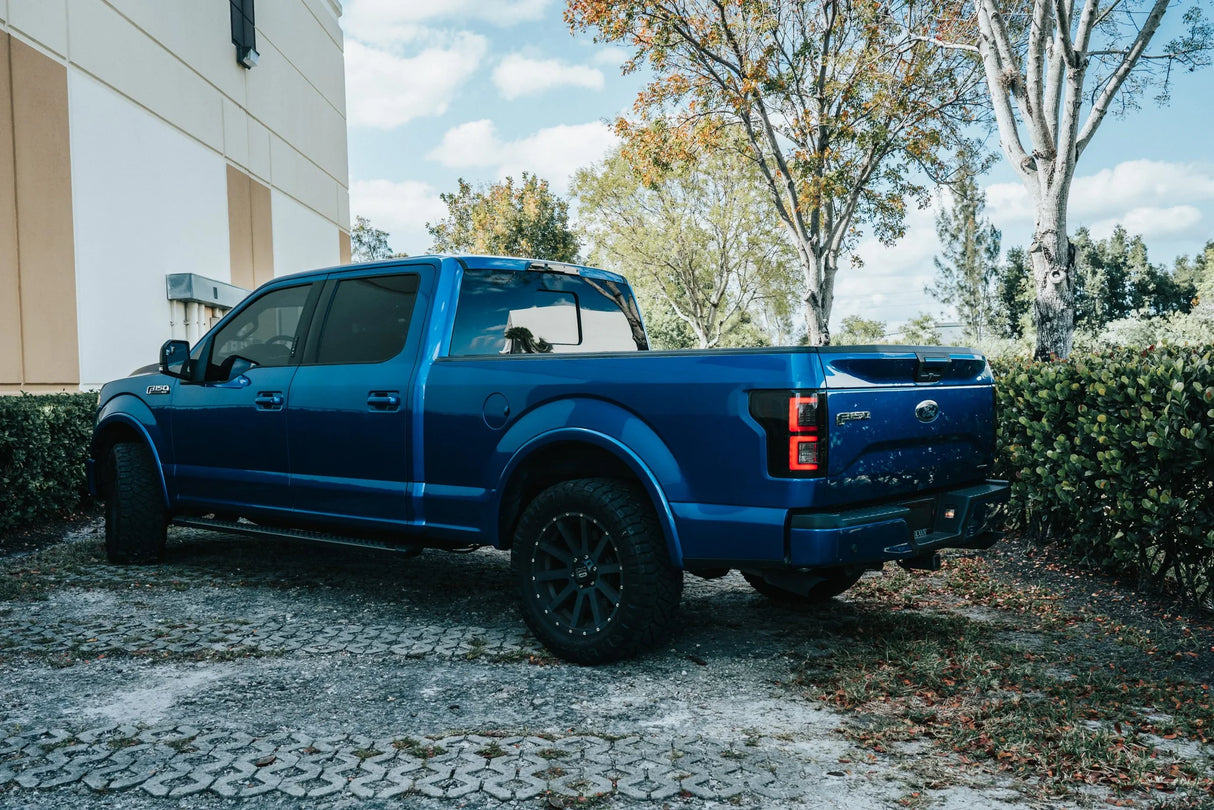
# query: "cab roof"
(471, 262)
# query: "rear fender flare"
(634, 443)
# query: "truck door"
(348, 421)
(229, 426)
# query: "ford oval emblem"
(927, 411)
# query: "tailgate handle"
(931, 367)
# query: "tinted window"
(368, 319)
(502, 312)
(266, 331)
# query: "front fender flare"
(129, 411)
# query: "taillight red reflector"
(803, 453)
(802, 413)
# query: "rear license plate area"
(922, 517)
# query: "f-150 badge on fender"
(158, 389)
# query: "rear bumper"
(959, 518)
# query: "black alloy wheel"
(594, 577)
(577, 576)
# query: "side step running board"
(253, 530)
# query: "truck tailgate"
(907, 421)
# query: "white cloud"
(393, 21)
(889, 286)
(611, 55)
(517, 75)
(472, 144)
(1166, 203)
(385, 91)
(402, 209)
(553, 154)
(1150, 221)
(1112, 193)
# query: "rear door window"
(532, 312)
(367, 320)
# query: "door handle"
(383, 401)
(269, 400)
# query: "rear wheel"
(833, 581)
(135, 518)
(595, 581)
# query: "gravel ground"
(260, 674)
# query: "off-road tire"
(835, 582)
(135, 519)
(594, 578)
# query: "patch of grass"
(1033, 703)
(520, 656)
(551, 753)
(591, 800)
(550, 773)
(29, 578)
(492, 751)
(182, 745)
(118, 743)
(367, 753)
(417, 748)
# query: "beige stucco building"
(155, 162)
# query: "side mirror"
(175, 359)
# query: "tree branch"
(1009, 135)
(1101, 106)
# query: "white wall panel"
(107, 45)
(43, 21)
(303, 240)
(147, 201)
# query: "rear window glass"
(532, 312)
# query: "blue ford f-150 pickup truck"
(451, 402)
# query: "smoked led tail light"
(803, 453)
(795, 426)
(802, 413)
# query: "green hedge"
(1110, 456)
(44, 441)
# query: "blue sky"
(443, 89)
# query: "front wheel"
(135, 518)
(595, 581)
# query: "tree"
(922, 330)
(368, 243)
(1053, 76)
(1013, 293)
(966, 274)
(859, 331)
(701, 240)
(1198, 273)
(505, 219)
(1116, 280)
(838, 103)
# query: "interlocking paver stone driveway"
(273, 674)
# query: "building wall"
(133, 145)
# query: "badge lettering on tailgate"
(852, 416)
